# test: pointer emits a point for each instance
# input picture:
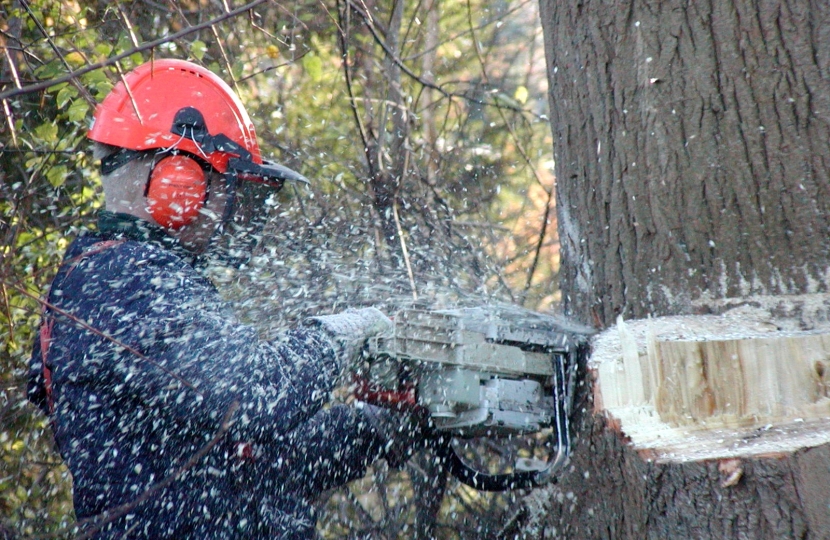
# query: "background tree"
(692, 143)
(423, 127)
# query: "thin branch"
(7, 112)
(225, 58)
(8, 308)
(88, 327)
(129, 92)
(273, 68)
(6, 108)
(111, 515)
(525, 157)
(223, 52)
(446, 93)
(83, 91)
(540, 243)
(404, 251)
(128, 24)
(111, 61)
(342, 27)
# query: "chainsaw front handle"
(482, 481)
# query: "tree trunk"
(692, 149)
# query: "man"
(174, 419)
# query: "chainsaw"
(491, 372)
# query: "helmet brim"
(267, 172)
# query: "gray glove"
(404, 432)
(351, 328)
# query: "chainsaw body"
(483, 372)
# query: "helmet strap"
(231, 183)
(118, 159)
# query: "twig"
(129, 92)
(128, 24)
(6, 109)
(111, 61)
(222, 50)
(525, 157)
(83, 91)
(8, 307)
(111, 515)
(538, 250)
(272, 68)
(404, 250)
(446, 93)
(344, 51)
(99, 333)
(10, 120)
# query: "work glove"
(351, 329)
(404, 432)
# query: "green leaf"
(95, 77)
(77, 111)
(103, 49)
(75, 59)
(49, 71)
(198, 49)
(48, 132)
(57, 175)
(101, 90)
(521, 95)
(65, 94)
(313, 65)
(98, 82)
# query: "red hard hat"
(177, 105)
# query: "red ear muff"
(176, 191)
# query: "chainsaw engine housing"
(481, 371)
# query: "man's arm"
(167, 341)
(335, 447)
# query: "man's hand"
(352, 328)
(404, 432)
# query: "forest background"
(423, 126)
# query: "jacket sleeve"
(172, 345)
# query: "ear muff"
(176, 191)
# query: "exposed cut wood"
(695, 387)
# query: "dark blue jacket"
(146, 362)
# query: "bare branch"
(405, 252)
(342, 28)
(540, 243)
(111, 61)
(429, 84)
(88, 327)
(112, 514)
(525, 157)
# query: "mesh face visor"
(249, 206)
(252, 202)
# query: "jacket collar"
(114, 225)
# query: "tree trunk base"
(629, 495)
(709, 427)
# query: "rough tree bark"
(692, 148)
